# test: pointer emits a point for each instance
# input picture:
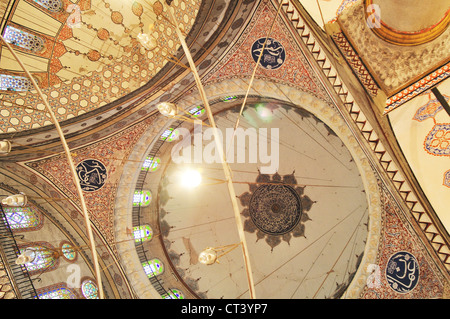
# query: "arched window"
(68, 252)
(43, 259)
(23, 39)
(173, 294)
(170, 135)
(58, 291)
(142, 233)
(50, 5)
(197, 111)
(142, 198)
(89, 289)
(23, 218)
(151, 164)
(15, 83)
(153, 267)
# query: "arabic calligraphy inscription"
(402, 272)
(273, 55)
(92, 175)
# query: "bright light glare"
(263, 112)
(191, 178)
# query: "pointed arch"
(89, 288)
(23, 39)
(50, 5)
(15, 83)
(57, 291)
(44, 258)
(22, 219)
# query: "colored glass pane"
(68, 251)
(153, 267)
(14, 83)
(59, 293)
(89, 289)
(23, 39)
(166, 134)
(197, 111)
(174, 294)
(142, 198)
(142, 233)
(43, 258)
(50, 5)
(151, 164)
(170, 135)
(173, 136)
(228, 98)
(21, 217)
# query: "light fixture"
(147, 41)
(15, 200)
(209, 255)
(27, 256)
(5, 147)
(167, 109)
(190, 178)
(263, 112)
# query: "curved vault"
(284, 95)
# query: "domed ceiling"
(91, 56)
(317, 192)
(305, 236)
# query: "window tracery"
(15, 83)
(23, 218)
(23, 39)
(153, 267)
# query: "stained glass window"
(14, 83)
(22, 218)
(43, 259)
(142, 233)
(153, 267)
(89, 289)
(173, 294)
(170, 135)
(142, 198)
(50, 5)
(228, 98)
(57, 293)
(197, 111)
(175, 134)
(23, 39)
(68, 251)
(151, 164)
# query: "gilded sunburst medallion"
(276, 208)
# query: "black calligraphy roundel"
(402, 272)
(92, 175)
(273, 55)
(275, 208)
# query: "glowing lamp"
(147, 41)
(208, 256)
(27, 256)
(15, 200)
(5, 147)
(167, 109)
(191, 178)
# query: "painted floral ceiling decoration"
(275, 208)
(90, 55)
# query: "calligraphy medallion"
(402, 272)
(275, 208)
(273, 55)
(92, 175)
